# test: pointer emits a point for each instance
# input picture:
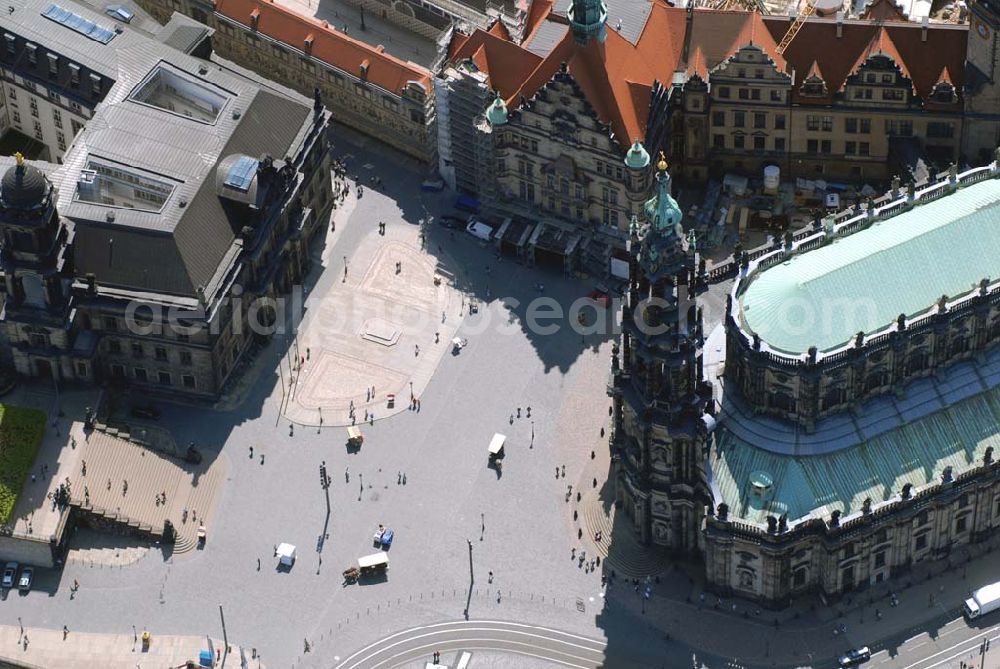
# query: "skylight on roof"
(116, 185)
(241, 173)
(77, 23)
(177, 92)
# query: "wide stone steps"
(618, 547)
(149, 473)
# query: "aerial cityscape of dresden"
(500, 334)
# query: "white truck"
(984, 600)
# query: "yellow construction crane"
(793, 29)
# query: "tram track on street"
(543, 643)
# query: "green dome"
(496, 113)
(637, 158)
(663, 240)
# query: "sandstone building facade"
(140, 261)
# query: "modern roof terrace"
(862, 282)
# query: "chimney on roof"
(923, 28)
(254, 19)
(840, 23)
(308, 44)
(380, 48)
(364, 70)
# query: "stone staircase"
(111, 460)
(619, 547)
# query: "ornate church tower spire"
(660, 430)
(588, 19)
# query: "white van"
(479, 230)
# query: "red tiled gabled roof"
(839, 57)
(498, 29)
(329, 45)
(616, 77)
(506, 64)
(719, 34)
(697, 65)
(883, 10)
(814, 71)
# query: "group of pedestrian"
(161, 498)
(400, 478)
(414, 404)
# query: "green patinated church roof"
(914, 452)
(862, 282)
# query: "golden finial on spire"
(662, 165)
(19, 157)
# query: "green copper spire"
(664, 238)
(587, 18)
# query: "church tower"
(588, 19)
(33, 255)
(982, 94)
(660, 430)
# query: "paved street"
(490, 560)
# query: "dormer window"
(944, 92)
(814, 87)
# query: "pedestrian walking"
(564, 471)
(65, 632)
(518, 412)
(347, 476)
(368, 396)
(109, 482)
(557, 472)
(251, 452)
(261, 458)
(404, 478)
(399, 477)
(529, 412)
(83, 468)
(258, 564)
(491, 577)
(418, 405)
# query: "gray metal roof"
(182, 246)
(546, 38)
(27, 21)
(633, 15)
(183, 33)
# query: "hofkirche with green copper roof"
(857, 397)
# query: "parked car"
(9, 574)
(120, 13)
(855, 657)
(27, 578)
(146, 411)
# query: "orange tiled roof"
(506, 64)
(616, 77)
(840, 57)
(328, 45)
(718, 35)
